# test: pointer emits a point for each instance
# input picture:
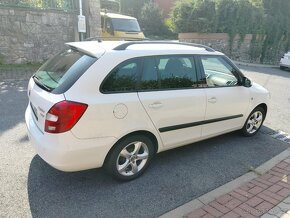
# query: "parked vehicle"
(120, 26)
(116, 103)
(285, 61)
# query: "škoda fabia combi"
(117, 104)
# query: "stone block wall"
(33, 36)
(220, 41)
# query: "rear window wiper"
(45, 87)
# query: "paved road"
(29, 187)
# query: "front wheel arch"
(260, 108)
(265, 107)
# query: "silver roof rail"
(102, 38)
(124, 46)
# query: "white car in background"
(285, 61)
(117, 104)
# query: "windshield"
(126, 25)
(59, 73)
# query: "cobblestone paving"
(266, 196)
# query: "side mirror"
(247, 82)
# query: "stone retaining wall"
(220, 42)
(32, 36)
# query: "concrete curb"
(255, 65)
(185, 209)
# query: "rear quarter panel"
(100, 119)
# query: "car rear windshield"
(59, 73)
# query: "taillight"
(63, 116)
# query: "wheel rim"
(132, 158)
(254, 122)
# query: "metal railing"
(60, 5)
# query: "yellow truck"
(120, 26)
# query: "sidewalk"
(264, 192)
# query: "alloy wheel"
(254, 122)
(132, 158)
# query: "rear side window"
(152, 73)
(59, 73)
(123, 78)
(176, 72)
(149, 76)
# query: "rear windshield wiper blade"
(37, 81)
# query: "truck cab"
(120, 26)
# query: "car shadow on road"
(174, 178)
(13, 101)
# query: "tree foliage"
(152, 20)
(267, 20)
(132, 7)
(277, 27)
(194, 16)
(149, 15)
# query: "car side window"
(218, 72)
(122, 78)
(149, 76)
(176, 72)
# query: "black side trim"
(187, 125)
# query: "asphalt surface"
(30, 187)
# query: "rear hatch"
(40, 101)
(48, 85)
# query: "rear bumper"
(66, 152)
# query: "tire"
(130, 157)
(254, 122)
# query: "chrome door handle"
(212, 100)
(156, 105)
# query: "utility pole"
(81, 22)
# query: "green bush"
(152, 21)
(267, 20)
(194, 16)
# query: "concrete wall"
(240, 50)
(32, 36)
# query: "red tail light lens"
(63, 116)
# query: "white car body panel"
(64, 151)
(109, 117)
(42, 101)
(175, 107)
(225, 102)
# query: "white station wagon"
(117, 104)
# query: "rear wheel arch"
(146, 133)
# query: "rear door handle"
(155, 105)
(212, 100)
